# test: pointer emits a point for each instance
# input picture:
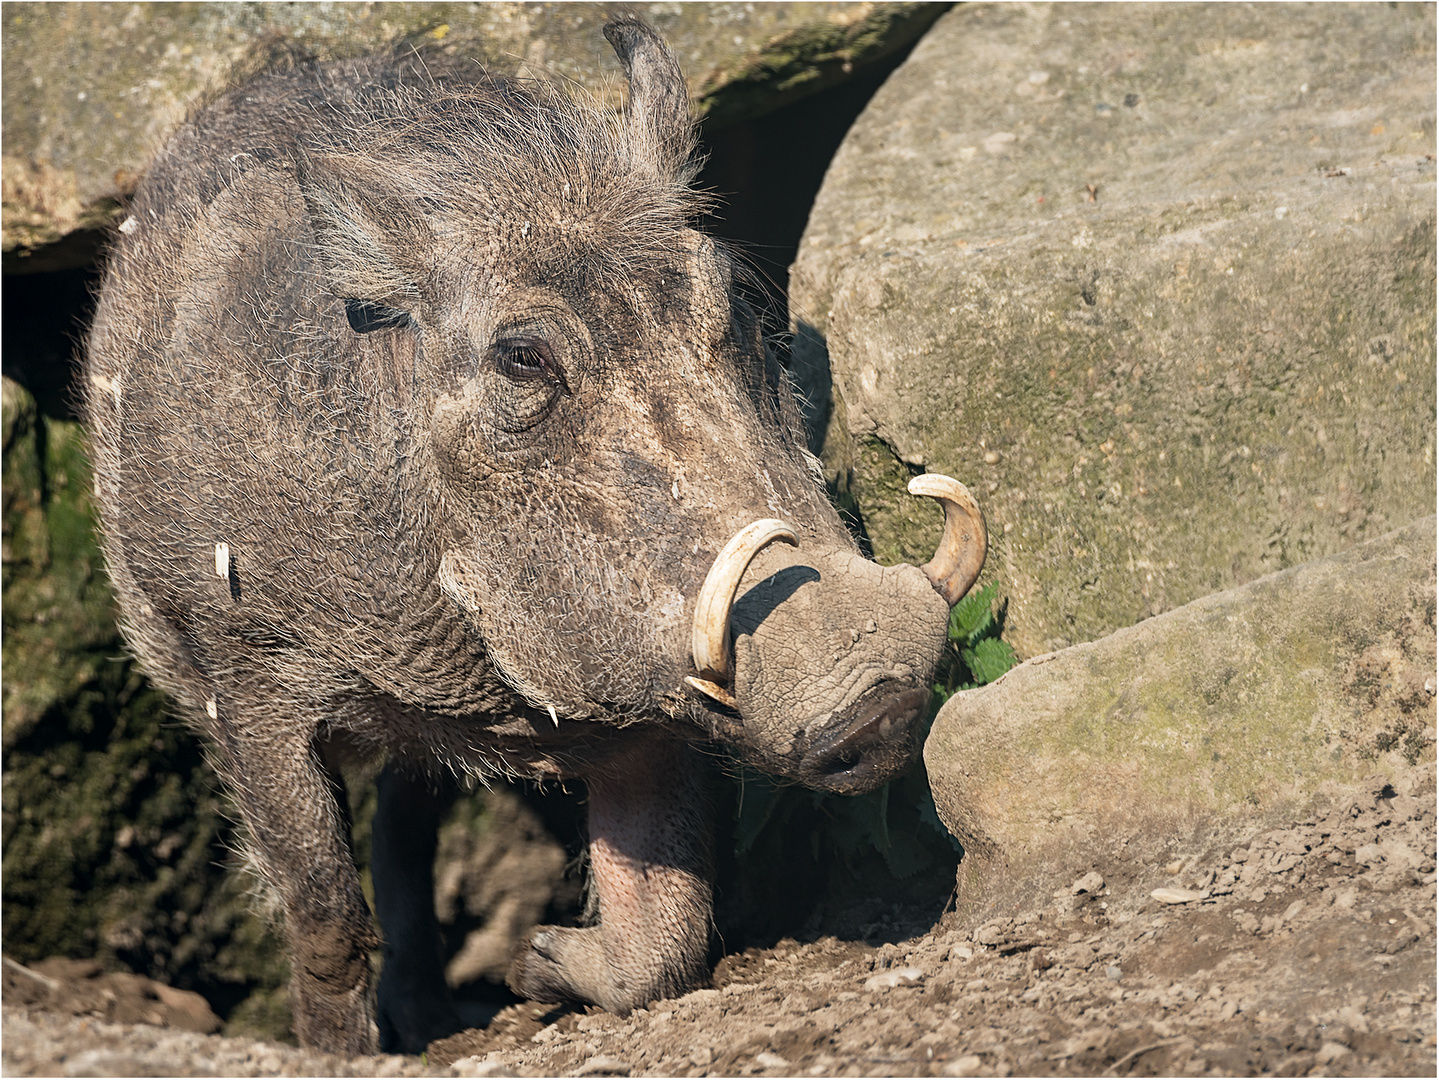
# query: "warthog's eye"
(525, 359)
(367, 316)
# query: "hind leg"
(415, 1006)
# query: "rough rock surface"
(1157, 282)
(1248, 702)
(1306, 949)
(75, 146)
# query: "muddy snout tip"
(877, 744)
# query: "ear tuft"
(361, 236)
(658, 114)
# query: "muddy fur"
(419, 412)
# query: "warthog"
(420, 415)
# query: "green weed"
(975, 653)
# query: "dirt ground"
(1306, 950)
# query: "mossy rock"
(74, 149)
(1156, 282)
(1246, 705)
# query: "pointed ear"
(658, 114)
(366, 235)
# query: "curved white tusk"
(709, 639)
(709, 689)
(960, 555)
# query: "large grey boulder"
(1157, 282)
(92, 90)
(1240, 707)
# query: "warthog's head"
(604, 416)
(832, 654)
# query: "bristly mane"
(558, 163)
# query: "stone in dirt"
(1237, 707)
(1155, 281)
(1177, 896)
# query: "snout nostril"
(877, 745)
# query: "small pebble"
(894, 977)
(1354, 1019)
(1089, 883)
(1114, 973)
(1176, 896)
(481, 1066)
(965, 1065)
(603, 1066)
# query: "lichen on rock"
(1156, 282)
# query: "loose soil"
(1307, 950)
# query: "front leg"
(299, 838)
(651, 866)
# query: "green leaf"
(973, 617)
(988, 660)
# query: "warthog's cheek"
(591, 637)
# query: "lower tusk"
(709, 638)
(719, 693)
(960, 555)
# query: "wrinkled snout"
(872, 742)
(826, 658)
